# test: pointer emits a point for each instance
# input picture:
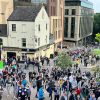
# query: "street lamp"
(1, 51)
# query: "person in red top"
(20, 82)
(5, 73)
(78, 91)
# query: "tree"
(97, 38)
(96, 71)
(63, 61)
(96, 24)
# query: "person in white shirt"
(74, 83)
(71, 77)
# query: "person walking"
(56, 92)
(41, 93)
(63, 96)
(73, 95)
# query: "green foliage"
(63, 61)
(97, 38)
(96, 69)
(96, 24)
(96, 52)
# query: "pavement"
(5, 95)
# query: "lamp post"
(1, 51)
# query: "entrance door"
(11, 54)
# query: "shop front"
(9, 52)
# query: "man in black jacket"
(97, 93)
(38, 83)
(67, 85)
(22, 93)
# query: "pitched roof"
(24, 13)
(3, 30)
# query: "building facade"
(33, 1)
(23, 0)
(55, 10)
(56, 13)
(39, 1)
(78, 21)
(28, 35)
(3, 38)
(6, 8)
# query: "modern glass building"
(33, 1)
(39, 1)
(78, 23)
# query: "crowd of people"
(60, 84)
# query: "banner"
(1, 65)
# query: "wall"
(42, 19)
(23, 30)
(56, 13)
(51, 6)
(6, 8)
(45, 52)
(5, 41)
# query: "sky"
(96, 4)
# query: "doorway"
(11, 54)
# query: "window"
(74, 3)
(38, 41)
(66, 11)
(66, 27)
(39, 27)
(23, 42)
(56, 35)
(46, 26)
(72, 27)
(56, 23)
(13, 27)
(1, 42)
(73, 11)
(51, 10)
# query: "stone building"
(78, 22)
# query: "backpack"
(41, 93)
(62, 98)
(24, 82)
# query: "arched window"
(1, 41)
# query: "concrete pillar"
(76, 43)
